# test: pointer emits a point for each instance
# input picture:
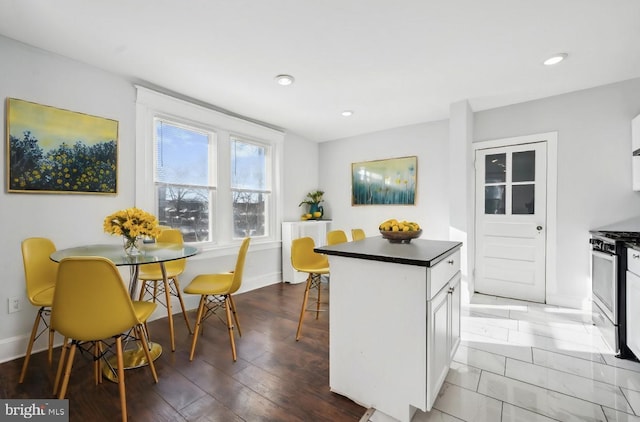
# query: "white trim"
(551, 138)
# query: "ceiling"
(394, 63)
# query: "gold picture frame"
(391, 181)
(52, 150)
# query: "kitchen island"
(394, 321)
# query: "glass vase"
(131, 245)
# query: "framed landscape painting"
(50, 150)
(384, 182)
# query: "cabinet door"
(438, 346)
(633, 313)
(455, 296)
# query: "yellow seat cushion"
(143, 309)
(153, 272)
(319, 269)
(44, 297)
(210, 284)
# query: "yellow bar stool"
(304, 259)
(358, 234)
(215, 292)
(40, 276)
(155, 286)
(336, 236)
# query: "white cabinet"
(394, 326)
(635, 152)
(443, 335)
(316, 229)
(633, 301)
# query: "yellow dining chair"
(357, 234)
(40, 277)
(90, 304)
(305, 260)
(215, 291)
(336, 236)
(154, 285)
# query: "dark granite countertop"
(421, 252)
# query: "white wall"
(594, 169)
(71, 220)
(300, 174)
(427, 141)
(68, 220)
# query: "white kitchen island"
(394, 321)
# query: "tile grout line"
(569, 395)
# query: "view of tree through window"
(183, 179)
(250, 188)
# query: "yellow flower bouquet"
(132, 224)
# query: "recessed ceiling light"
(347, 113)
(285, 80)
(555, 59)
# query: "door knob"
(539, 228)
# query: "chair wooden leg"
(196, 329)
(155, 290)
(235, 315)
(51, 337)
(143, 288)
(176, 284)
(67, 371)
(32, 339)
(145, 346)
(227, 307)
(96, 362)
(167, 295)
(99, 345)
(121, 387)
(304, 306)
(61, 364)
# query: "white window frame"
(151, 104)
(268, 182)
(212, 159)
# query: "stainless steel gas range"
(608, 281)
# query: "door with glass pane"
(510, 221)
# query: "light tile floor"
(522, 361)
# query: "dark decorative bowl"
(400, 237)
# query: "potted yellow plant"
(313, 200)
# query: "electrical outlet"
(15, 304)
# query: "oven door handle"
(606, 255)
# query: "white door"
(511, 194)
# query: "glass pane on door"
(523, 199)
(494, 199)
(495, 168)
(524, 166)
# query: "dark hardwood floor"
(274, 379)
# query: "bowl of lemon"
(397, 231)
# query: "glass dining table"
(150, 253)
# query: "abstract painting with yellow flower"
(384, 182)
(59, 151)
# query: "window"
(213, 175)
(250, 188)
(185, 186)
